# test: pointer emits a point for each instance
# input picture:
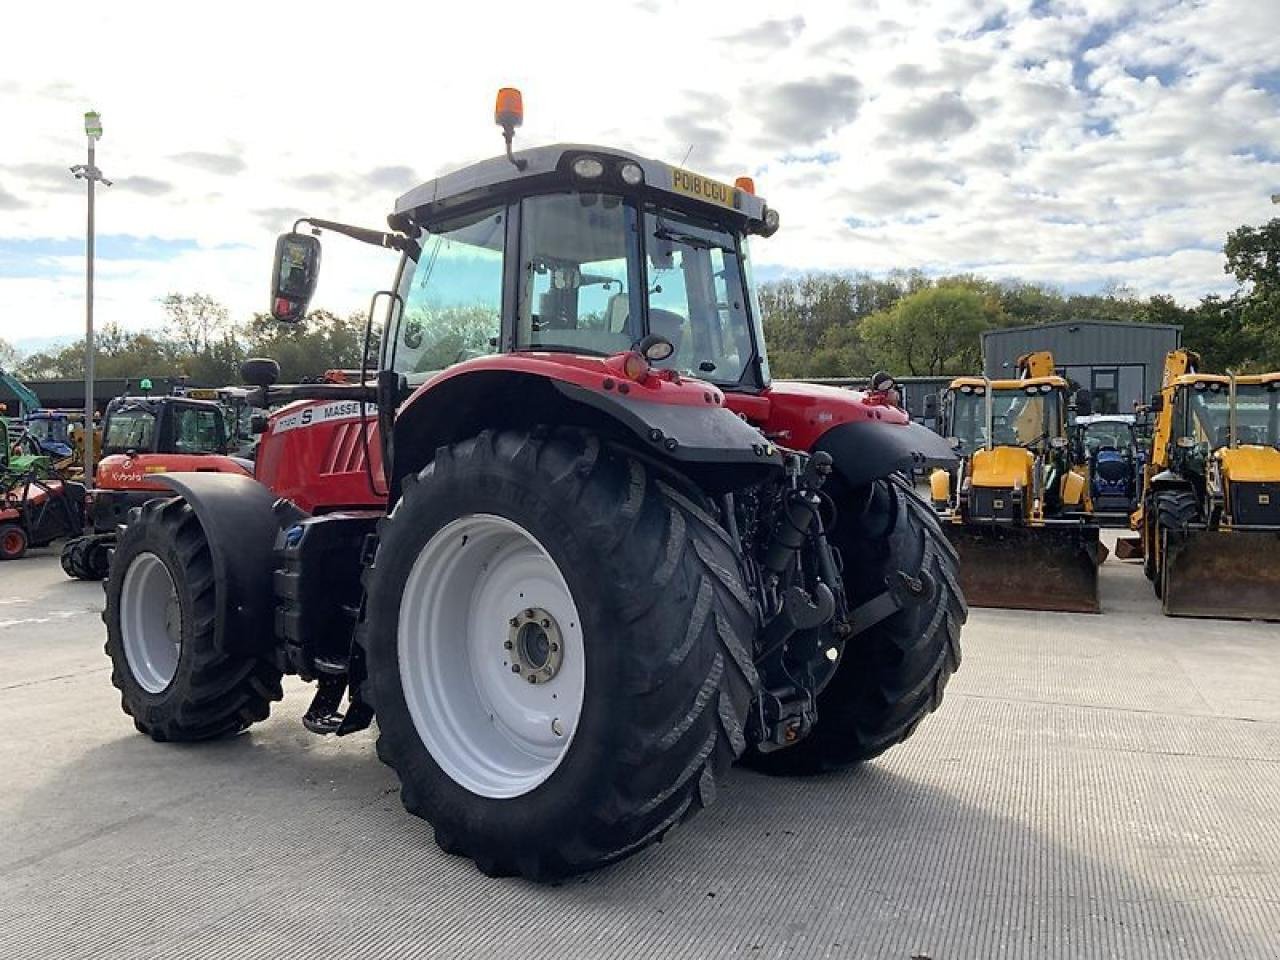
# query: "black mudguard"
(235, 513)
(866, 450)
(709, 434)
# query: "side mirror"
(294, 276)
(258, 424)
(1084, 402)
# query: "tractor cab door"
(192, 428)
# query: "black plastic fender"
(866, 450)
(711, 444)
(235, 513)
(709, 434)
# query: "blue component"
(293, 536)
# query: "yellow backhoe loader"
(1017, 508)
(1209, 516)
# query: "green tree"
(934, 331)
(1253, 257)
(9, 356)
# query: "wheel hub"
(491, 654)
(534, 645)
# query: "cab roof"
(1054, 381)
(546, 168)
(1251, 379)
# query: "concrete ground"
(1103, 786)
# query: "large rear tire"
(629, 729)
(160, 616)
(892, 675)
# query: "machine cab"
(580, 250)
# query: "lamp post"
(91, 175)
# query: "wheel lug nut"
(506, 644)
(532, 678)
(515, 668)
(546, 624)
(514, 621)
(555, 648)
(528, 614)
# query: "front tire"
(1174, 510)
(160, 616)
(892, 675)
(13, 541)
(643, 591)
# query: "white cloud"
(956, 134)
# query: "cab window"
(697, 298)
(129, 430)
(197, 431)
(453, 304)
(578, 291)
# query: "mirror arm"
(379, 238)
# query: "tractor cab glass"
(1020, 416)
(1205, 416)
(198, 430)
(48, 429)
(696, 294)
(453, 299)
(594, 273)
(129, 430)
(579, 287)
(1101, 434)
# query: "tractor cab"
(140, 425)
(48, 432)
(1224, 432)
(585, 251)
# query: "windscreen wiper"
(688, 239)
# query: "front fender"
(866, 450)
(235, 513)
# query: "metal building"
(1121, 363)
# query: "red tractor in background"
(569, 544)
(144, 438)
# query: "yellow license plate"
(704, 188)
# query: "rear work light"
(588, 168)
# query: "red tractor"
(143, 439)
(569, 545)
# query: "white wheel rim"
(477, 583)
(150, 622)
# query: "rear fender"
(865, 450)
(707, 442)
(1168, 480)
(241, 529)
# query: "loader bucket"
(1231, 574)
(1029, 568)
(1129, 548)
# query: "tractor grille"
(1113, 471)
(1255, 503)
(992, 503)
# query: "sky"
(1081, 144)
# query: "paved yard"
(1101, 786)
